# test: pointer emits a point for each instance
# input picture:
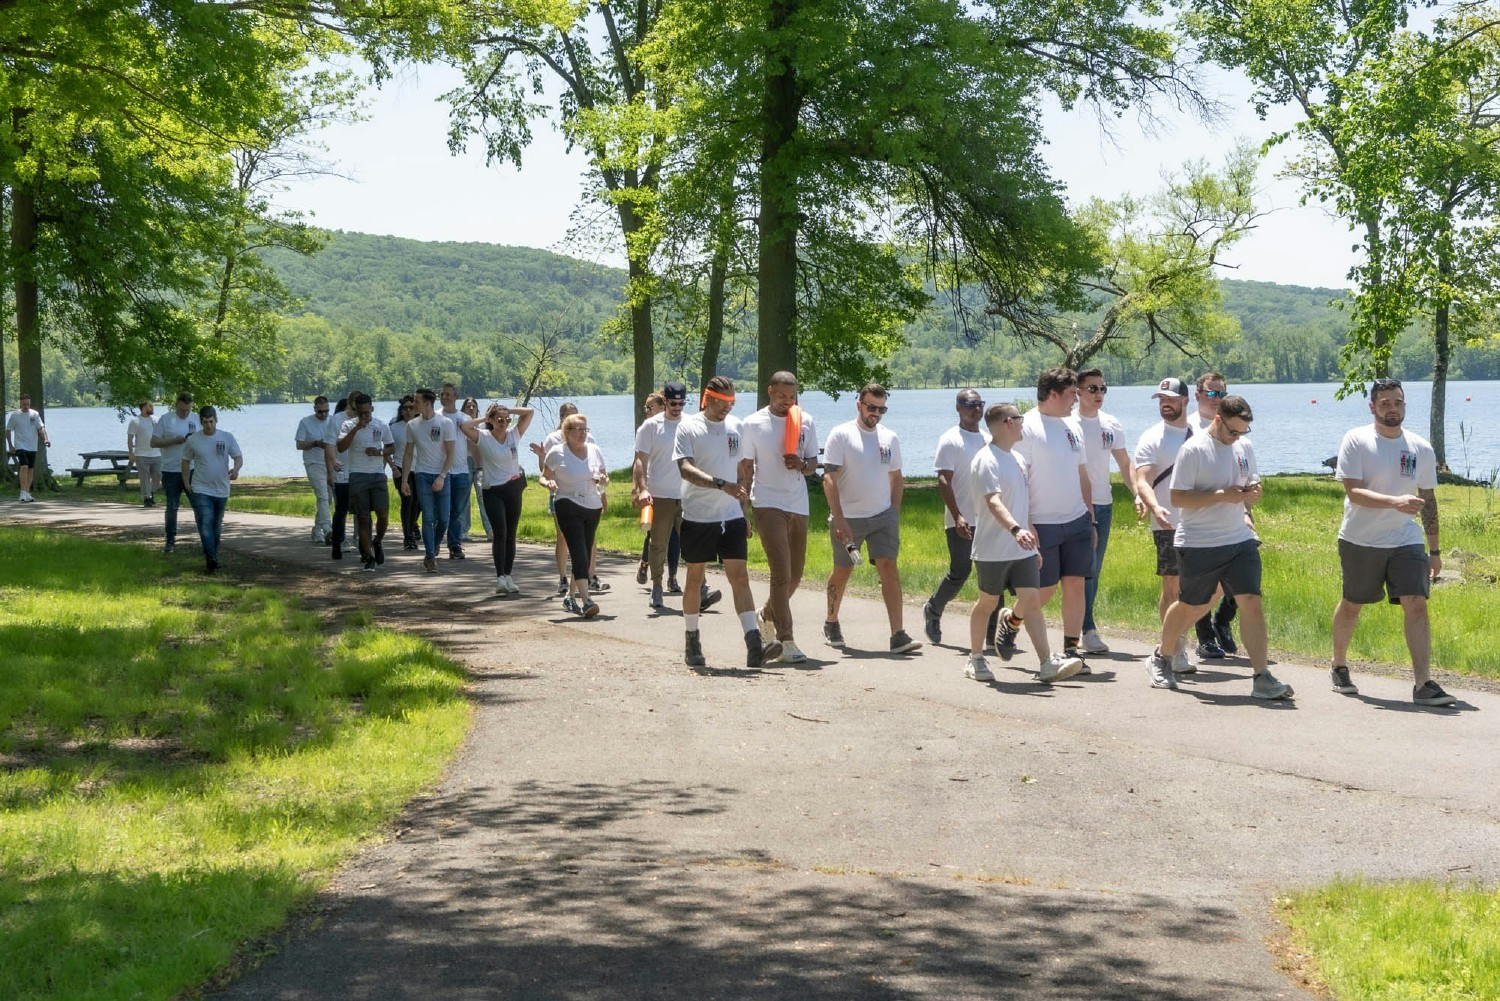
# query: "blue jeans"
(434, 510)
(1104, 515)
(171, 482)
(458, 508)
(209, 513)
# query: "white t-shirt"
(776, 486)
(1203, 463)
(500, 458)
(1102, 434)
(1400, 465)
(656, 438)
(211, 456)
(25, 429)
(142, 428)
(377, 435)
(716, 447)
(1199, 422)
(169, 425)
(575, 475)
(426, 438)
(865, 460)
(314, 428)
(998, 471)
(955, 451)
(1053, 450)
(398, 435)
(1158, 448)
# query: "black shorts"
(1166, 553)
(1371, 574)
(25, 458)
(368, 492)
(1237, 567)
(707, 541)
(1067, 549)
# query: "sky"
(399, 179)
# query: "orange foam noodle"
(647, 514)
(793, 430)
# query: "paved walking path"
(864, 826)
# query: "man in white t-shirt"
(1215, 631)
(716, 517)
(777, 468)
(1215, 483)
(145, 456)
(366, 443)
(863, 485)
(1005, 550)
(312, 441)
(955, 454)
(1103, 439)
(459, 480)
(24, 435)
(1389, 475)
(210, 460)
(431, 454)
(1062, 513)
(172, 431)
(654, 480)
(1155, 458)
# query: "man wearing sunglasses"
(1103, 439)
(956, 450)
(1215, 483)
(1215, 630)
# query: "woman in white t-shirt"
(411, 510)
(575, 473)
(496, 443)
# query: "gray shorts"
(880, 533)
(995, 576)
(1371, 574)
(1237, 567)
(368, 492)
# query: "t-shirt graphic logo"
(219, 448)
(886, 455)
(1074, 442)
(1244, 464)
(375, 433)
(434, 434)
(733, 441)
(1108, 437)
(1409, 465)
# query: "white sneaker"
(977, 669)
(1093, 644)
(1181, 664)
(511, 585)
(500, 587)
(1059, 668)
(790, 654)
(25, 497)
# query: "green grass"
(183, 763)
(1417, 941)
(1298, 522)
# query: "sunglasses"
(1215, 394)
(1234, 433)
(972, 404)
(1101, 390)
(874, 408)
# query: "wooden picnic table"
(119, 465)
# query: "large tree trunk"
(4, 403)
(642, 336)
(776, 268)
(1441, 352)
(714, 339)
(23, 224)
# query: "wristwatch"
(1015, 529)
(718, 483)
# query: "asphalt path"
(869, 826)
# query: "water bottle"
(855, 558)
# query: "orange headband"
(718, 396)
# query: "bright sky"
(402, 181)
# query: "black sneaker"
(570, 604)
(903, 643)
(597, 586)
(456, 552)
(1342, 683)
(932, 624)
(640, 572)
(1430, 694)
(709, 597)
(1005, 637)
(338, 551)
(834, 635)
(1210, 650)
(562, 586)
(1225, 634)
(755, 653)
(673, 587)
(1076, 653)
(369, 564)
(693, 650)
(379, 553)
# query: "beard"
(1392, 420)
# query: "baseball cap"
(1170, 387)
(674, 391)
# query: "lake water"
(1296, 426)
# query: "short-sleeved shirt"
(1102, 434)
(1053, 450)
(1396, 466)
(376, 434)
(314, 428)
(1158, 449)
(426, 437)
(142, 428)
(25, 427)
(575, 475)
(500, 458)
(955, 453)
(1198, 422)
(998, 471)
(169, 425)
(865, 460)
(398, 435)
(776, 486)
(716, 447)
(656, 439)
(1204, 463)
(212, 456)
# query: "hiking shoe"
(693, 651)
(656, 599)
(379, 553)
(755, 652)
(1005, 636)
(977, 669)
(1076, 653)
(597, 586)
(1181, 664)
(1266, 686)
(1093, 644)
(429, 564)
(1058, 668)
(902, 643)
(1210, 650)
(1431, 695)
(833, 635)
(1342, 683)
(1225, 634)
(932, 624)
(708, 597)
(640, 572)
(672, 586)
(790, 654)
(1159, 669)
(589, 609)
(562, 586)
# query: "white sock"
(747, 621)
(690, 622)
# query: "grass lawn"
(183, 762)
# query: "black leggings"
(502, 506)
(411, 512)
(340, 513)
(578, 525)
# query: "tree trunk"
(642, 338)
(776, 315)
(712, 341)
(4, 403)
(1441, 352)
(28, 317)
